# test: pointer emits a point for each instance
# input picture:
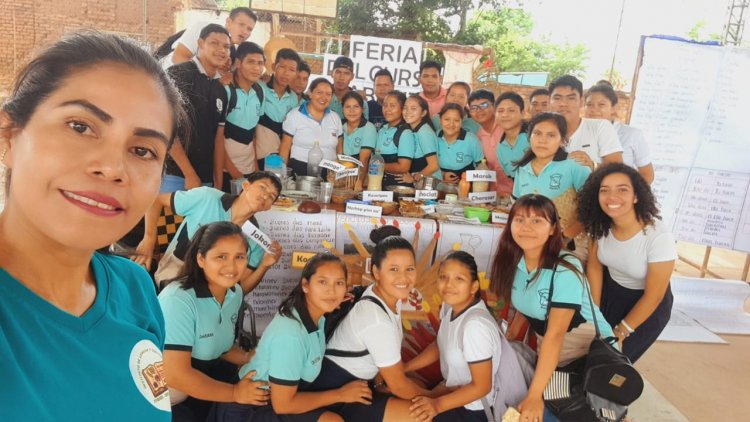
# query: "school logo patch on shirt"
(459, 157)
(543, 298)
(219, 105)
(357, 141)
(147, 368)
(388, 141)
(554, 181)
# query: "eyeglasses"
(481, 106)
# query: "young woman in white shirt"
(632, 255)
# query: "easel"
(703, 268)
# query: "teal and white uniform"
(426, 145)
(507, 155)
(103, 365)
(463, 154)
(290, 351)
(554, 179)
(275, 109)
(339, 109)
(532, 298)
(395, 142)
(364, 136)
(468, 124)
(201, 206)
(239, 126)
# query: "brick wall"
(26, 25)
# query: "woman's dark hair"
(468, 261)
(296, 298)
(605, 90)
(452, 106)
(314, 84)
(388, 244)
(260, 175)
(466, 87)
(425, 107)
(356, 97)
(401, 98)
(203, 240)
(562, 126)
(376, 235)
(595, 221)
(304, 67)
(512, 96)
(509, 253)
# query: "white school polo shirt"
(595, 137)
(465, 339)
(305, 130)
(368, 327)
(628, 260)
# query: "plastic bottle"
(481, 186)
(375, 170)
(313, 160)
(275, 164)
(463, 187)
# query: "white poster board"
(479, 240)
(692, 103)
(362, 226)
(295, 232)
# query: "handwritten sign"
(374, 195)
(483, 197)
(481, 176)
(426, 194)
(500, 217)
(257, 236)
(350, 159)
(347, 173)
(332, 165)
(299, 259)
(365, 210)
(429, 209)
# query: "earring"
(2, 155)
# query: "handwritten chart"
(691, 102)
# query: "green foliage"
(405, 19)
(698, 33)
(231, 4)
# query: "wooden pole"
(746, 268)
(706, 257)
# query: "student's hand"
(247, 391)
(192, 181)
(144, 253)
(355, 392)
(423, 408)
(404, 178)
(582, 158)
(272, 257)
(450, 177)
(532, 409)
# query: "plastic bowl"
(483, 214)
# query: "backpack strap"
(359, 353)
(397, 136)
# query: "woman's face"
(413, 113)
(396, 274)
(458, 96)
(326, 289)
(616, 195)
(320, 97)
(225, 262)
(530, 230)
(598, 106)
(509, 115)
(450, 122)
(392, 110)
(545, 140)
(352, 111)
(88, 163)
(455, 284)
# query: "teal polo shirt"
(291, 350)
(339, 108)
(507, 155)
(391, 152)
(463, 154)
(554, 179)
(275, 108)
(531, 298)
(204, 205)
(196, 322)
(364, 136)
(239, 124)
(425, 146)
(103, 365)
(468, 124)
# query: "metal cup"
(326, 190)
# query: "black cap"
(343, 61)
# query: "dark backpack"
(244, 329)
(399, 130)
(232, 101)
(166, 48)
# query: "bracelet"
(622, 332)
(627, 327)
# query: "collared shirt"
(426, 146)
(463, 154)
(595, 137)
(635, 152)
(204, 205)
(290, 351)
(339, 109)
(468, 124)
(107, 362)
(387, 145)
(364, 136)
(305, 130)
(376, 113)
(507, 155)
(206, 100)
(239, 126)
(554, 179)
(531, 298)
(437, 103)
(196, 322)
(489, 142)
(275, 108)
